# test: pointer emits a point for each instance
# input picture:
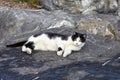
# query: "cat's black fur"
(30, 45)
(53, 35)
(17, 44)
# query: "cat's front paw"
(26, 50)
(29, 51)
(59, 53)
(65, 55)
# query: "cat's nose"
(78, 44)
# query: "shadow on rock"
(82, 71)
(13, 61)
(78, 71)
(15, 58)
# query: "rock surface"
(98, 26)
(82, 65)
(18, 22)
(83, 6)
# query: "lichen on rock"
(98, 26)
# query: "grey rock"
(107, 6)
(48, 4)
(69, 5)
(119, 8)
(119, 12)
(90, 63)
(15, 22)
(82, 6)
(81, 65)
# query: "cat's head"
(78, 38)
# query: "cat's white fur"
(43, 42)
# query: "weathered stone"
(98, 26)
(107, 6)
(69, 5)
(119, 8)
(84, 64)
(17, 22)
(82, 6)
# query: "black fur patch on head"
(30, 45)
(59, 48)
(75, 36)
(81, 36)
(54, 35)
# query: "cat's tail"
(18, 44)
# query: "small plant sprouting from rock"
(31, 3)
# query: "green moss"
(32, 3)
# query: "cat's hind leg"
(27, 50)
(60, 51)
(60, 47)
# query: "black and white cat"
(47, 41)
(63, 44)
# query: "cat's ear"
(75, 34)
(83, 35)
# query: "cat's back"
(51, 35)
